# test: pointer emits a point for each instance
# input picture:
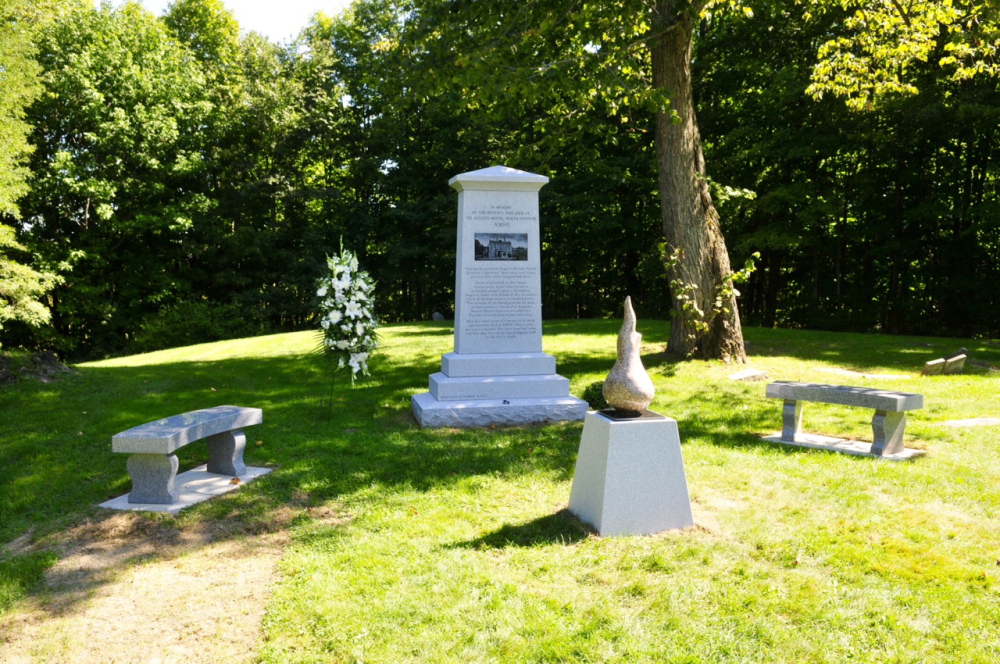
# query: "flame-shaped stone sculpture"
(628, 387)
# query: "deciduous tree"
(878, 54)
(19, 80)
(21, 287)
(112, 134)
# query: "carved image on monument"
(501, 246)
(497, 373)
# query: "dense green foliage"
(20, 85)
(887, 219)
(174, 165)
(21, 287)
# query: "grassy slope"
(455, 547)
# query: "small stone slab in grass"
(749, 375)
(193, 487)
(830, 444)
(975, 422)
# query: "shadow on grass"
(653, 331)
(855, 351)
(730, 422)
(574, 364)
(863, 351)
(101, 547)
(559, 528)
(56, 462)
(21, 574)
(847, 349)
(428, 329)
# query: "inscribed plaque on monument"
(498, 307)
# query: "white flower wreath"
(349, 326)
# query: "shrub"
(187, 323)
(594, 395)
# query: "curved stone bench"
(888, 422)
(152, 464)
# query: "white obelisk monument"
(498, 373)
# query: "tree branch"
(902, 12)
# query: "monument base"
(629, 477)
(429, 412)
(497, 364)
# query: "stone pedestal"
(153, 478)
(629, 477)
(498, 373)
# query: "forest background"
(169, 180)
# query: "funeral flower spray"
(348, 325)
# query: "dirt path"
(132, 588)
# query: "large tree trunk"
(703, 326)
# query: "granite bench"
(152, 464)
(888, 422)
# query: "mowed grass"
(455, 546)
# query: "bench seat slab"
(171, 433)
(860, 397)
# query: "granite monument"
(497, 373)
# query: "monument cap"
(498, 177)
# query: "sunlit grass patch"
(419, 545)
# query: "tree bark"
(701, 327)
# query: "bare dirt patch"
(139, 588)
(706, 508)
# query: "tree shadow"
(436, 328)
(863, 351)
(739, 424)
(58, 464)
(559, 528)
(664, 363)
(653, 331)
(575, 364)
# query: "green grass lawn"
(454, 545)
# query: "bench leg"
(225, 453)
(153, 478)
(887, 429)
(791, 420)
